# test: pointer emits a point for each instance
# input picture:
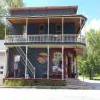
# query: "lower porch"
(41, 62)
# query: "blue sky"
(89, 8)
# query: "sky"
(89, 8)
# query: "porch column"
(75, 69)
(62, 49)
(62, 29)
(77, 72)
(48, 25)
(62, 62)
(7, 62)
(72, 67)
(26, 49)
(80, 23)
(48, 64)
(48, 53)
(26, 64)
(26, 28)
(6, 54)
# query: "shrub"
(32, 82)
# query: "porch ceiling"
(44, 20)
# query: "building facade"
(44, 42)
(2, 60)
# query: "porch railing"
(44, 38)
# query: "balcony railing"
(44, 38)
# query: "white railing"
(44, 38)
(29, 64)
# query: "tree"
(4, 5)
(92, 56)
(15, 3)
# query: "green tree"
(5, 4)
(91, 60)
(15, 3)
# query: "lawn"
(97, 77)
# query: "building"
(2, 60)
(44, 42)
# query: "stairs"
(30, 67)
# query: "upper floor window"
(69, 28)
(58, 28)
(1, 67)
(41, 29)
(1, 72)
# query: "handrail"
(45, 38)
(31, 67)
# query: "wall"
(2, 65)
(11, 54)
(41, 13)
(38, 61)
(69, 28)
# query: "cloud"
(94, 24)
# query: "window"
(1, 72)
(1, 67)
(58, 28)
(57, 58)
(69, 28)
(57, 62)
(42, 29)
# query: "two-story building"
(44, 42)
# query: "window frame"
(56, 29)
(42, 31)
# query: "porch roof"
(15, 19)
(74, 8)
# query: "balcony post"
(26, 49)
(62, 29)
(48, 53)
(48, 64)
(48, 27)
(75, 69)
(26, 28)
(62, 62)
(26, 74)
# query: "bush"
(32, 82)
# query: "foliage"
(2, 30)
(4, 12)
(90, 63)
(32, 82)
(15, 3)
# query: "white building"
(2, 60)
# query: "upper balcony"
(46, 30)
(45, 39)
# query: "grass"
(97, 77)
(27, 82)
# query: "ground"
(93, 84)
(74, 84)
(47, 94)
